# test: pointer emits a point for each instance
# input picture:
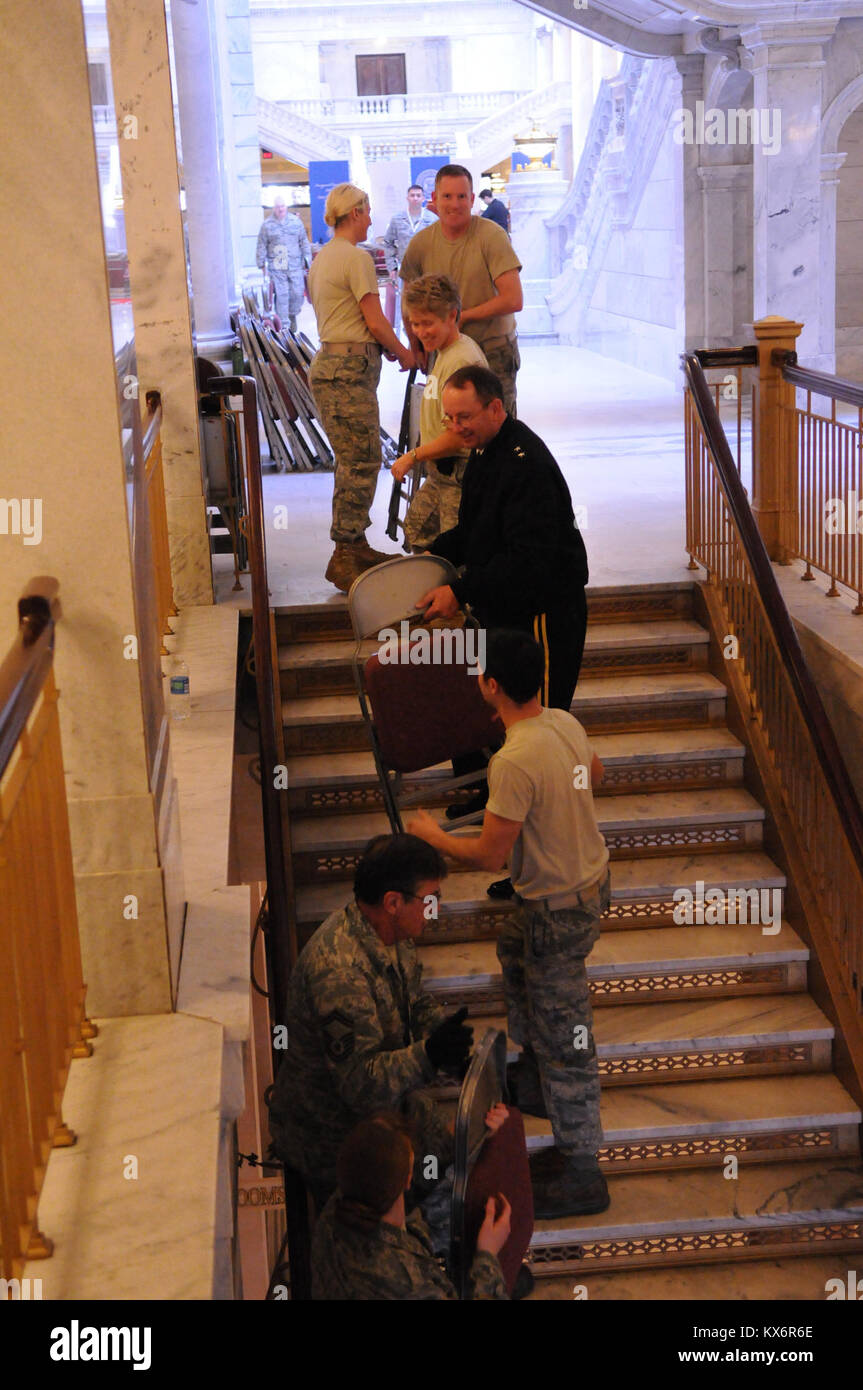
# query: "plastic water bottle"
(179, 695)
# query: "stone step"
(329, 622)
(604, 704)
(695, 1216)
(796, 1278)
(663, 964)
(700, 1123)
(679, 644)
(636, 825)
(641, 893)
(661, 760)
(774, 1034)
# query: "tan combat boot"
(346, 563)
(376, 557)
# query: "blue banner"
(521, 161)
(324, 174)
(423, 170)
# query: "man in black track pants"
(524, 560)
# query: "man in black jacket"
(524, 560)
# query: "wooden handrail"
(42, 1019)
(281, 932)
(22, 673)
(811, 707)
(836, 388)
(727, 357)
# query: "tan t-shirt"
(342, 275)
(464, 352)
(474, 262)
(541, 776)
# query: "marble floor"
(617, 434)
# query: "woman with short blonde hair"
(344, 375)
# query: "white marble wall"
(787, 62)
(157, 271)
(533, 196)
(206, 223)
(60, 442)
(240, 142)
(849, 252)
(636, 313)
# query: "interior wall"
(849, 252)
(636, 312)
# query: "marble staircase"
(727, 1136)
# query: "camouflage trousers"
(290, 289)
(345, 391)
(542, 954)
(504, 359)
(434, 508)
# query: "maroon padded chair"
(485, 1164)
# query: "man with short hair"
(478, 256)
(540, 810)
(524, 560)
(402, 226)
(362, 1033)
(283, 248)
(495, 210)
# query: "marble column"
(825, 359)
(60, 442)
(202, 175)
(721, 185)
(533, 196)
(141, 75)
(691, 69)
(787, 62)
(241, 147)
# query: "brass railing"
(828, 451)
(801, 759)
(42, 1019)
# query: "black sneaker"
(501, 888)
(566, 1186)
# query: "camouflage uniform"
(542, 954)
(504, 360)
(284, 247)
(434, 507)
(357, 1016)
(388, 1263)
(345, 391)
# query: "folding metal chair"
(485, 1164)
(409, 433)
(418, 714)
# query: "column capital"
(691, 69)
(793, 44)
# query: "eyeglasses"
(461, 420)
(420, 897)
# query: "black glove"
(450, 1044)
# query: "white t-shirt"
(464, 352)
(342, 275)
(541, 776)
